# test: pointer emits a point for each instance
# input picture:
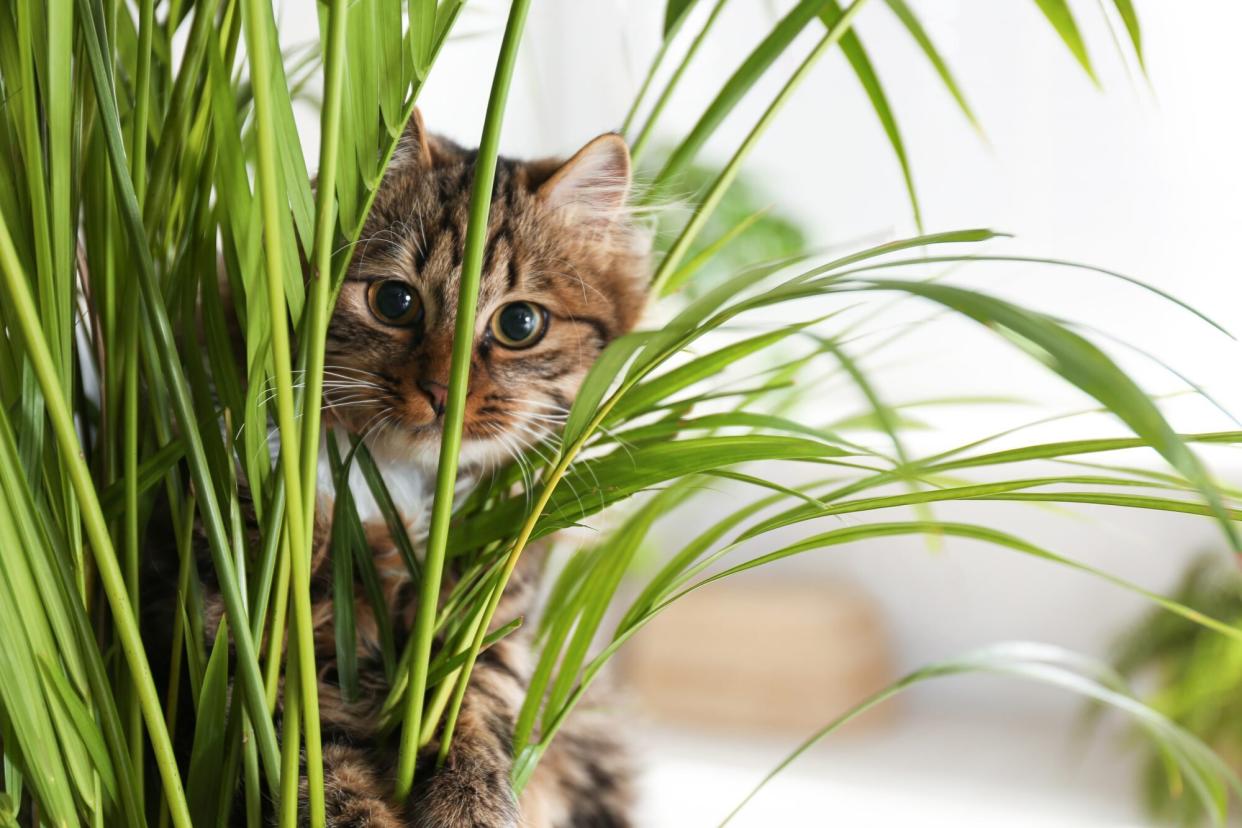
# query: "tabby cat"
(565, 272)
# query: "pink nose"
(437, 394)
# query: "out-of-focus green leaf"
(1062, 20)
(1209, 777)
(1086, 366)
(915, 27)
(852, 46)
(674, 13)
(1125, 9)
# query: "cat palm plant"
(143, 153)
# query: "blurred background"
(1140, 174)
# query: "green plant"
(1193, 678)
(130, 165)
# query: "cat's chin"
(408, 462)
(421, 449)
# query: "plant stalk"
(455, 410)
(325, 222)
(256, 20)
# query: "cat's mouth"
(486, 443)
(404, 419)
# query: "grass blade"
(1062, 20)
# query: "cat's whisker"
(360, 376)
(512, 450)
(575, 276)
(544, 404)
(558, 419)
(365, 430)
(389, 421)
(352, 399)
(546, 437)
(542, 435)
(620, 441)
(519, 455)
(346, 369)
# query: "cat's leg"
(472, 789)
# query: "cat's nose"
(437, 394)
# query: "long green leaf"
(1084, 365)
(1059, 668)
(915, 27)
(852, 46)
(1062, 20)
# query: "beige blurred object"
(763, 654)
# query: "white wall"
(1144, 180)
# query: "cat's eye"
(519, 324)
(394, 303)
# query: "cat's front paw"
(467, 795)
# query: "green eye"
(519, 324)
(394, 302)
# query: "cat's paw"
(466, 796)
(355, 792)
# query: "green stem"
(721, 185)
(256, 22)
(445, 691)
(454, 416)
(127, 632)
(644, 135)
(142, 95)
(129, 459)
(173, 696)
(325, 222)
(276, 637)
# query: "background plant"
(1191, 678)
(145, 147)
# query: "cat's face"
(564, 273)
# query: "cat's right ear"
(417, 147)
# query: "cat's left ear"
(595, 181)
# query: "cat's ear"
(417, 147)
(595, 181)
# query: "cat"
(565, 272)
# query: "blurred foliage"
(1197, 678)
